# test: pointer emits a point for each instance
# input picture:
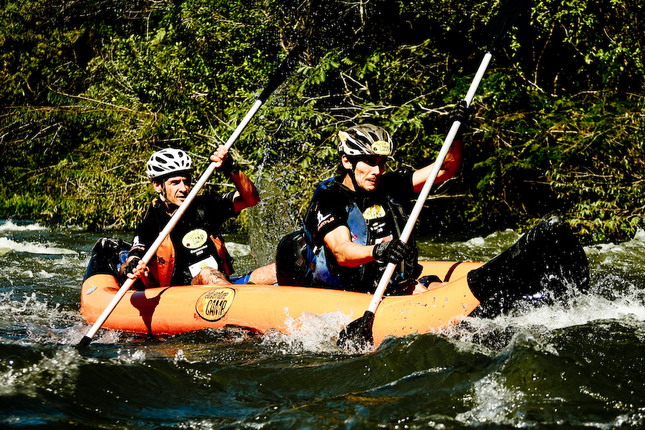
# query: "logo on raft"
(214, 304)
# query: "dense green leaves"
(90, 88)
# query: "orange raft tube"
(181, 309)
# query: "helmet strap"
(352, 172)
(162, 193)
(170, 208)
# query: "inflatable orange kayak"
(543, 265)
(181, 309)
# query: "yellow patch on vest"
(194, 238)
(374, 212)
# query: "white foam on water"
(308, 333)
(42, 321)
(501, 239)
(180, 356)
(206, 424)
(45, 272)
(579, 310)
(632, 419)
(30, 305)
(129, 357)
(41, 274)
(475, 242)
(57, 373)
(72, 335)
(627, 255)
(493, 403)
(34, 248)
(238, 249)
(11, 226)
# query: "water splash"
(7, 245)
(579, 310)
(308, 333)
(39, 321)
(128, 357)
(494, 403)
(9, 225)
(56, 374)
(238, 249)
(626, 256)
(474, 249)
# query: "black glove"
(460, 112)
(229, 166)
(128, 267)
(391, 252)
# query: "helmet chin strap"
(162, 194)
(162, 197)
(352, 175)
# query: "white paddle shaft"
(171, 223)
(423, 195)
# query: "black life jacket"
(316, 266)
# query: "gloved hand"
(393, 251)
(229, 166)
(460, 112)
(129, 266)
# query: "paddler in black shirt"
(353, 223)
(194, 252)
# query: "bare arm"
(346, 252)
(247, 194)
(448, 169)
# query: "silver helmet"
(167, 162)
(365, 139)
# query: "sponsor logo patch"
(324, 220)
(214, 304)
(194, 238)
(374, 212)
(381, 147)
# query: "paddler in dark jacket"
(194, 251)
(354, 221)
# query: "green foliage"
(90, 88)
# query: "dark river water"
(579, 364)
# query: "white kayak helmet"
(167, 162)
(365, 139)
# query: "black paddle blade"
(505, 19)
(545, 264)
(284, 70)
(358, 333)
(84, 342)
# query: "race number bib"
(197, 267)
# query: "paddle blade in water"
(358, 333)
(84, 342)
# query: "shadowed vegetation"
(90, 88)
